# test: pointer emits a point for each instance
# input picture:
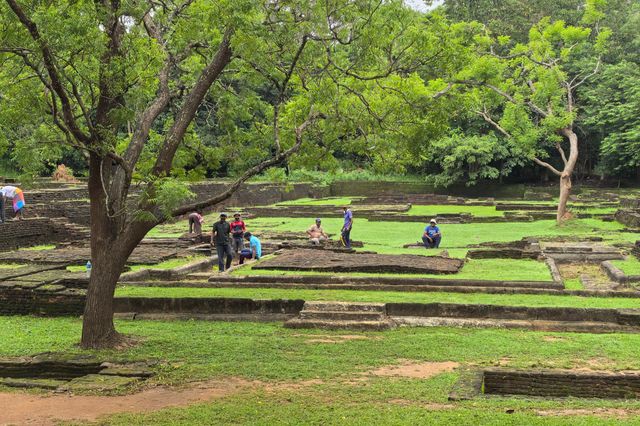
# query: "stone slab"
(322, 260)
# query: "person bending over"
(195, 222)
(432, 236)
(316, 233)
(255, 248)
(220, 239)
(17, 197)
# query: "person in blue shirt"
(255, 248)
(432, 236)
(345, 234)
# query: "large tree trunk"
(111, 245)
(98, 330)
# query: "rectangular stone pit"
(561, 383)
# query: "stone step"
(344, 306)
(342, 315)
(340, 325)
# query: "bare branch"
(547, 166)
(485, 114)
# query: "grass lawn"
(480, 269)
(340, 394)
(389, 237)
(331, 201)
(12, 265)
(433, 210)
(383, 296)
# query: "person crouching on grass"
(432, 236)
(255, 248)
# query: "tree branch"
(547, 166)
(253, 171)
(49, 63)
(191, 103)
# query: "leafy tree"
(533, 94)
(128, 83)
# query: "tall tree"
(528, 97)
(123, 80)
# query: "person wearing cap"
(316, 233)
(238, 228)
(345, 234)
(432, 236)
(255, 248)
(220, 239)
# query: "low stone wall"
(630, 218)
(25, 233)
(629, 317)
(561, 383)
(616, 274)
(206, 305)
(17, 300)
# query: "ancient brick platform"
(321, 260)
(562, 383)
(143, 254)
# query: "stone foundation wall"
(562, 383)
(15, 300)
(630, 218)
(25, 233)
(205, 305)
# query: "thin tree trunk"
(567, 173)
(565, 192)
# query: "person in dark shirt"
(220, 239)
(345, 233)
(432, 236)
(238, 229)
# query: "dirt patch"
(619, 413)
(48, 410)
(433, 406)
(552, 338)
(328, 338)
(328, 261)
(422, 370)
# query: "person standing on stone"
(316, 233)
(238, 228)
(432, 235)
(195, 222)
(220, 239)
(345, 234)
(17, 197)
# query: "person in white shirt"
(17, 197)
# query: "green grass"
(573, 284)
(12, 265)
(389, 237)
(76, 268)
(434, 210)
(169, 264)
(384, 296)
(40, 247)
(271, 354)
(630, 266)
(332, 201)
(481, 269)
